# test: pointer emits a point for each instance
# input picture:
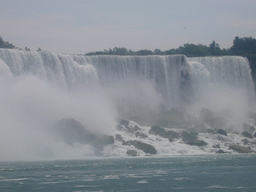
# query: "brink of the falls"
(39, 88)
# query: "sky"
(82, 26)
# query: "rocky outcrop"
(220, 151)
(156, 130)
(141, 135)
(247, 135)
(132, 153)
(119, 138)
(190, 138)
(222, 132)
(241, 149)
(147, 148)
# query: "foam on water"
(38, 89)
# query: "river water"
(227, 172)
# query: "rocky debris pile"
(207, 131)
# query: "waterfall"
(39, 88)
(169, 74)
(226, 70)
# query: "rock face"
(241, 149)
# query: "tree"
(243, 46)
(5, 44)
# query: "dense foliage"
(5, 44)
(241, 46)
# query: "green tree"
(5, 44)
(243, 46)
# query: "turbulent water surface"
(187, 173)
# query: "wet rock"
(216, 146)
(189, 137)
(156, 130)
(140, 134)
(222, 132)
(136, 128)
(241, 149)
(132, 153)
(170, 135)
(147, 148)
(119, 138)
(220, 151)
(119, 127)
(197, 143)
(245, 141)
(123, 122)
(247, 135)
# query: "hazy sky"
(81, 26)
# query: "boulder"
(216, 146)
(197, 143)
(156, 130)
(123, 122)
(147, 148)
(119, 138)
(220, 151)
(245, 141)
(222, 132)
(247, 135)
(140, 134)
(170, 135)
(241, 149)
(254, 135)
(189, 137)
(131, 153)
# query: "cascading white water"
(37, 89)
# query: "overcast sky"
(82, 26)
